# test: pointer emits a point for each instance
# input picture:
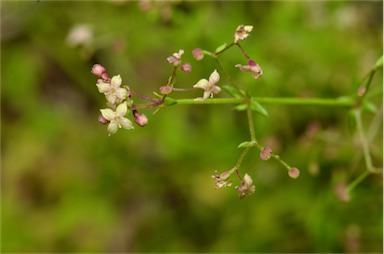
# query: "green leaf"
(241, 107)
(168, 101)
(220, 48)
(351, 121)
(245, 144)
(255, 106)
(369, 106)
(232, 91)
(379, 63)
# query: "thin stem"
(277, 101)
(358, 180)
(243, 51)
(251, 124)
(363, 140)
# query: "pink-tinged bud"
(140, 119)
(361, 91)
(165, 90)
(186, 67)
(197, 54)
(341, 192)
(252, 63)
(294, 173)
(102, 120)
(98, 70)
(105, 76)
(266, 153)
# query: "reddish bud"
(140, 119)
(186, 67)
(361, 91)
(98, 70)
(102, 120)
(266, 153)
(165, 90)
(198, 54)
(294, 173)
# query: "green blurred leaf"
(232, 91)
(168, 101)
(244, 144)
(241, 107)
(220, 48)
(379, 63)
(369, 106)
(257, 107)
(351, 121)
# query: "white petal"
(216, 89)
(108, 114)
(121, 110)
(206, 95)
(203, 84)
(103, 87)
(126, 123)
(116, 80)
(111, 98)
(113, 127)
(248, 28)
(121, 93)
(248, 180)
(214, 78)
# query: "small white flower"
(247, 187)
(112, 90)
(117, 118)
(209, 87)
(175, 59)
(242, 32)
(80, 34)
(221, 180)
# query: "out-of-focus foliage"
(68, 187)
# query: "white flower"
(242, 32)
(247, 187)
(175, 59)
(80, 34)
(117, 118)
(209, 87)
(221, 180)
(112, 90)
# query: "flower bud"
(341, 192)
(102, 120)
(186, 67)
(361, 91)
(165, 90)
(197, 54)
(266, 153)
(98, 70)
(140, 119)
(294, 173)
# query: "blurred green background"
(68, 187)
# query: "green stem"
(363, 140)
(277, 101)
(358, 180)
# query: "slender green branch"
(358, 180)
(251, 124)
(363, 140)
(277, 101)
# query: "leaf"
(255, 106)
(220, 48)
(232, 91)
(168, 101)
(244, 144)
(351, 121)
(379, 63)
(241, 107)
(369, 106)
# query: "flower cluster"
(118, 102)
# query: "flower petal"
(126, 123)
(202, 83)
(116, 80)
(113, 127)
(121, 110)
(103, 87)
(108, 114)
(214, 77)
(121, 93)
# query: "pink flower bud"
(98, 70)
(186, 67)
(102, 120)
(341, 192)
(140, 119)
(294, 173)
(165, 90)
(198, 54)
(361, 91)
(266, 153)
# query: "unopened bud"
(165, 90)
(198, 54)
(266, 153)
(186, 67)
(102, 120)
(98, 70)
(294, 173)
(140, 119)
(361, 91)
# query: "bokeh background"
(68, 187)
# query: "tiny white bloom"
(112, 90)
(175, 59)
(209, 86)
(242, 32)
(117, 118)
